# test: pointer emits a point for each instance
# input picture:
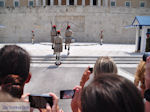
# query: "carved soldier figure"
(33, 37)
(58, 48)
(53, 34)
(68, 38)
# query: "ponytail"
(14, 60)
(13, 84)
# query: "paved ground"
(130, 70)
(81, 49)
(53, 79)
(50, 78)
(45, 80)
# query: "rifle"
(51, 24)
(67, 23)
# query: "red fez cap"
(32, 31)
(68, 26)
(58, 31)
(54, 26)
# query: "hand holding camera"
(86, 76)
(76, 101)
(40, 101)
(50, 103)
(146, 58)
(145, 55)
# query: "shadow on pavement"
(52, 67)
(73, 44)
(134, 53)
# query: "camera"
(67, 94)
(145, 55)
(40, 101)
(91, 69)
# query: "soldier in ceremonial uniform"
(33, 37)
(58, 48)
(148, 42)
(68, 38)
(53, 34)
(101, 37)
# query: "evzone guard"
(68, 38)
(58, 48)
(33, 37)
(53, 34)
(101, 37)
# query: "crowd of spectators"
(108, 91)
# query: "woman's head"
(14, 68)
(104, 65)
(139, 75)
(111, 93)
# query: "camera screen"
(67, 94)
(40, 101)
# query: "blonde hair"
(105, 64)
(139, 75)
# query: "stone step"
(84, 59)
(133, 56)
(83, 62)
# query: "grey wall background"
(86, 23)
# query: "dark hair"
(13, 84)
(14, 69)
(111, 93)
